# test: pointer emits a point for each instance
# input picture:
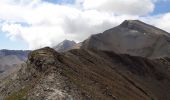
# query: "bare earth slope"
(88, 75)
(132, 37)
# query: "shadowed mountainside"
(132, 37)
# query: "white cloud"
(162, 21)
(49, 24)
(134, 7)
(45, 24)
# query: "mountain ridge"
(79, 74)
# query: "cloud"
(48, 24)
(133, 7)
(42, 24)
(162, 21)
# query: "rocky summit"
(114, 65)
(132, 37)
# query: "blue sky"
(48, 22)
(6, 43)
(162, 7)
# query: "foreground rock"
(88, 75)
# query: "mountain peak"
(65, 45)
(131, 23)
(66, 40)
(132, 37)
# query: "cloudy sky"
(31, 24)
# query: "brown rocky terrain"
(88, 75)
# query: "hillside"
(88, 75)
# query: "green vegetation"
(19, 95)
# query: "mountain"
(99, 70)
(65, 46)
(132, 37)
(21, 54)
(10, 60)
(88, 75)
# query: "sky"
(32, 24)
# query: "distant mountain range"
(21, 54)
(128, 62)
(10, 60)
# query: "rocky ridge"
(88, 75)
